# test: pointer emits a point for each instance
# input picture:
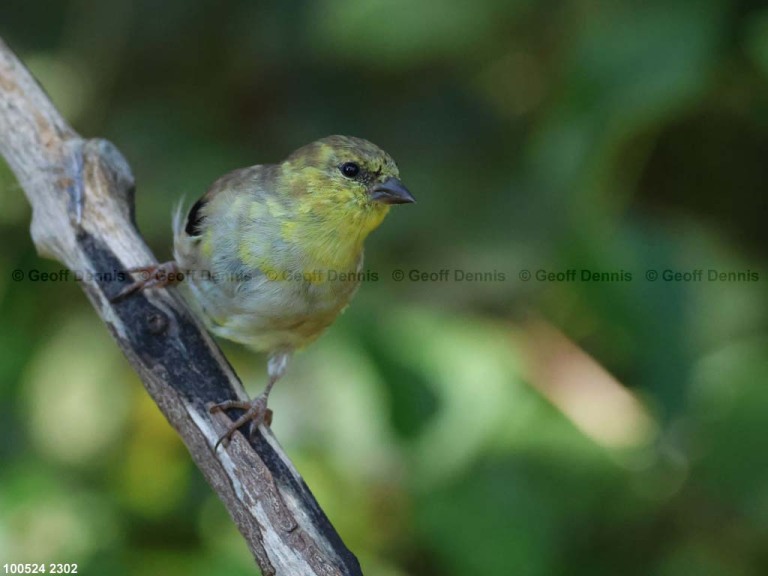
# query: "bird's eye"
(349, 169)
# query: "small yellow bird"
(271, 254)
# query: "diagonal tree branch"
(81, 192)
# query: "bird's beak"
(391, 191)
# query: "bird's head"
(343, 178)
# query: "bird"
(271, 254)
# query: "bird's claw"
(256, 412)
(153, 276)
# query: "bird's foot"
(256, 412)
(154, 276)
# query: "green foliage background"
(436, 422)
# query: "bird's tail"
(178, 218)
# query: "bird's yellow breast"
(320, 221)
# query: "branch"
(81, 192)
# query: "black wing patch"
(195, 219)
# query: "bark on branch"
(81, 192)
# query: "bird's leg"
(153, 276)
(256, 411)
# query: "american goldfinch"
(271, 254)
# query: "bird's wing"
(243, 181)
(209, 235)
